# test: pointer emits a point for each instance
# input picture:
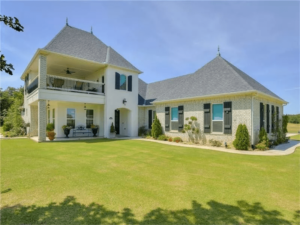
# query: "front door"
(117, 121)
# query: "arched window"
(122, 82)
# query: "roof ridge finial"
(67, 22)
(91, 29)
(218, 54)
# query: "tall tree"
(14, 23)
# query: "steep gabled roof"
(216, 77)
(81, 44)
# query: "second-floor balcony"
(60, 83)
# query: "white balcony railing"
(74, 85)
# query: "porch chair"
(58, 83)
(78, 85)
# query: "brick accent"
(42, 120)
(42, 73)
(33, 120)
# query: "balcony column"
(42, 64)
(42, 120)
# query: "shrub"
(148, 137)
(170, 139)
(262, 146)
(215, 143)
(142, 131)
(162, 137)
(7, 126)
(148, 133)
(112, 128)
(50, 127)
(177, 139)
(156, 128)
(242, 140)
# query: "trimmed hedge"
(242, 140)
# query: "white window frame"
(53, 117)
(212, 120)
(89, 118)
(71, 119)
(125, 82)
(177, 114)
(48, 115)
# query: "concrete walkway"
(283, 149)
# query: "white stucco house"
(77, 80)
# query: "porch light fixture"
(48, 106)
(124, 101)
(84, 107)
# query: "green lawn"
(137, 182)
(293, 128)
(296, 137)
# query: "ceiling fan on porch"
(68, 71)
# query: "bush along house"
(78, 81)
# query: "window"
(123, 82)
(217, 117)
(48, 118)
(53, 117)
(89, 117)
(174, 118)
(71, 118)
(153, 116)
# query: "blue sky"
(165, 39)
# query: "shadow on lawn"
(72, 212)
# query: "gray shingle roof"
(81, 44)
(216, 77)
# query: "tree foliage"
(14, 23)
(242, 140)
(156, 128)
(294, 118)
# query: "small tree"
(242, 140)
(156, 128)
(112, 128)
(191, 127)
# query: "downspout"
(252, 130)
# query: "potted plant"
(50, 131)
(112, 131)
(66, 130)
(94, 129)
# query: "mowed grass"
(296, 137)
(138, 182)
(293, 128)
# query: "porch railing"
(74, 85)
(32, 85)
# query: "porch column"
(33, 120)
(42, 120)
(42, 73)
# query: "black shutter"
(180, 117)
(150, 119)
(268, 118)
(167, 118)
(227, 118)
(117, 81)
(130, 83)
(103, 84)
(273, 118)
(277, 114)
(207, 118)
(261, 115)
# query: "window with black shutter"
(150, 119)
(261, 115)
(207, 118)
(117, 84)
(167, 118)
(277, 114)
(103, 84)
(268, 118)
(180, 118)
(130, 83)
(227, 118)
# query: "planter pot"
(94, 130)
(67, 132)
(51, 135)
(112, 135)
